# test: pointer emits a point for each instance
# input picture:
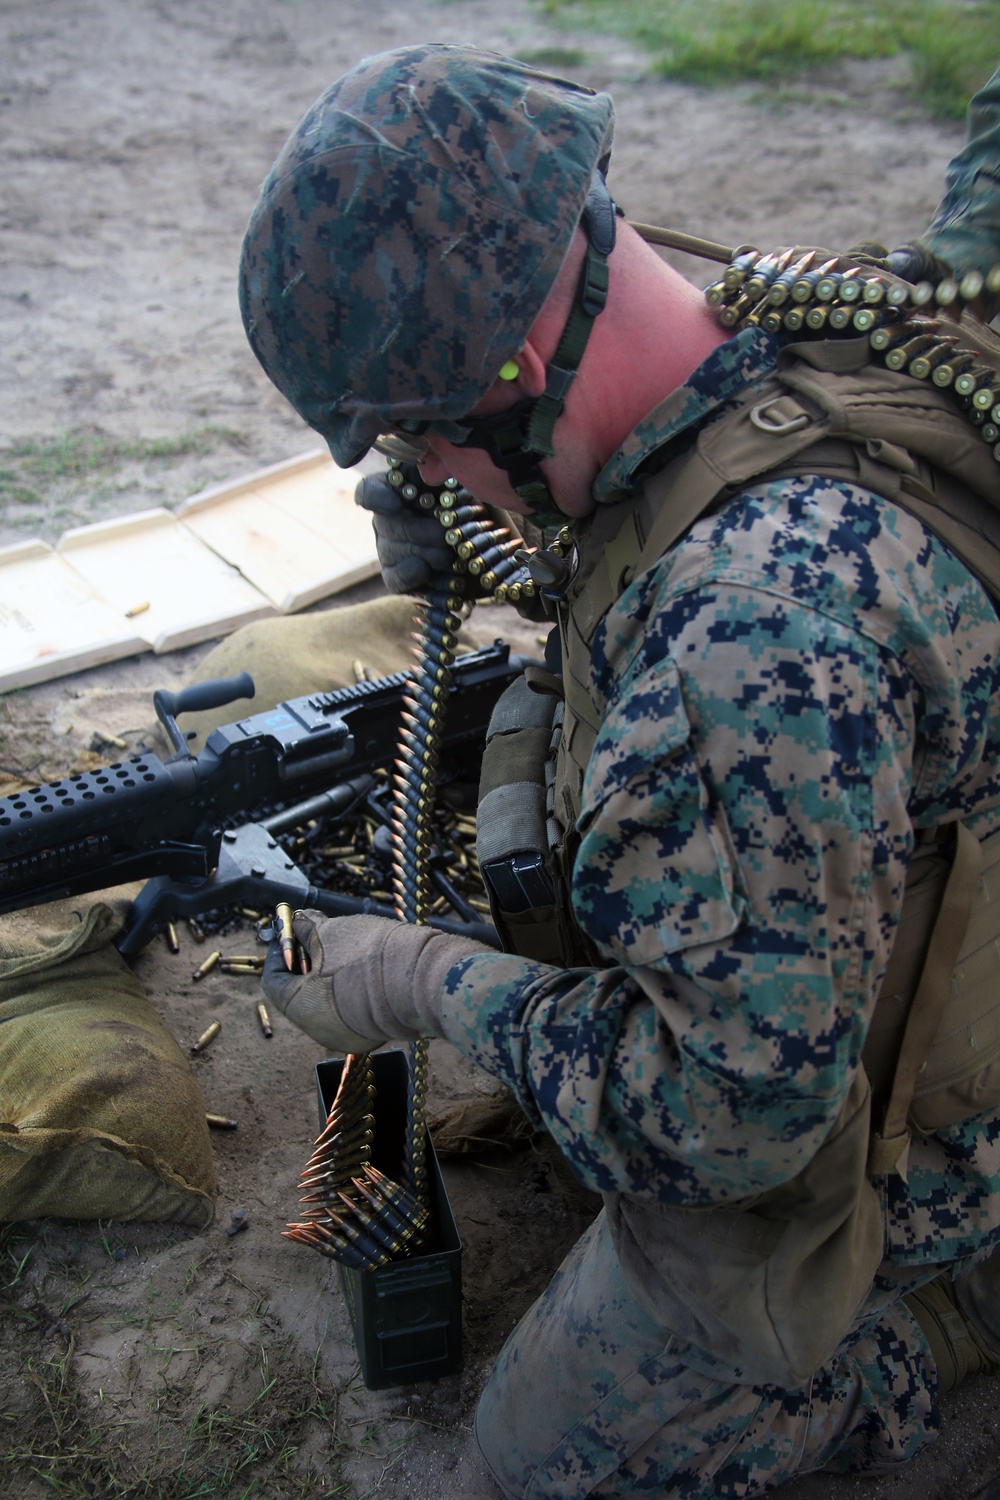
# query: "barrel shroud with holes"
(185, 824)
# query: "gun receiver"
(164, 821)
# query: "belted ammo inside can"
(406, 1316)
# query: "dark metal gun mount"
(164, 821)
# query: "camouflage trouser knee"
(590, 1398)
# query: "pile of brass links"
(352, 1212)
(793, 294)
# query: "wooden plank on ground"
(53, 621)
(292, 529)
(175, 590)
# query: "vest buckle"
(774, 426)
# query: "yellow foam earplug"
(510, 371)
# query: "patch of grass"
(80, 1448)
(282, 1431)
(33, 467)
(953, 50)
(50, 484)
(759, 40)
(13, 492)
(951, 47)
(560, 58)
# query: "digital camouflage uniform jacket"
(799, 685)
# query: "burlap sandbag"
(101, 1116)
(293, 655)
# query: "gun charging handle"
(201, 695)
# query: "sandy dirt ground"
(145, 1360)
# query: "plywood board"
(175, 590)
(277, 541)
(52, 621)
(292, 529)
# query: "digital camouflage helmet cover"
(409, 232)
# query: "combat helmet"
(407, 236)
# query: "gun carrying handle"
(201, 695)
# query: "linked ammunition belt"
(354, 1213)
(797, 294)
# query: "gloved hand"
(371, 980)
(410, 543)
(915, 262)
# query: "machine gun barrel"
(143, 817)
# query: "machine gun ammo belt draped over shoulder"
(936, 332)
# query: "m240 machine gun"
(185, 824)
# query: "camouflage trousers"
(591, 1398)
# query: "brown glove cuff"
(397, 991)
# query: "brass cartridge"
(864, 319)
(850, 289)
(946, 374)
(738, 270)
(286, 935)
(971, 379)
(948, 297)
(986, 394)
(826, 288)
(803, 289)
(886, 336)
(207, 1037)
(899, 356)
(207, 966)
(781, 287)
(926, 363)
(841, 314)
(767, 270)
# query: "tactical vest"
(769, 1288)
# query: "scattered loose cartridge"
(285, 934)
(206, 967)
(207, 1037)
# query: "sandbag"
(293, 655)
(101, 1116)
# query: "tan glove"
(371, 980)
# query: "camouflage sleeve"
(965, 230)
(746, 824)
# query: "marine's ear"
(531, 369)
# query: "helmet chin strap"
(518, 439)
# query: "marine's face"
(474, 468)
